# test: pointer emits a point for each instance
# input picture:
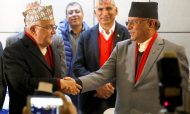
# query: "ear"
(94, 12)
(116, 9)
(152, 24)
(32, 30)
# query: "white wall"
(174, 16)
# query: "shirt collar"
(106, 36)
(143, 46)
(70, 29)
(110, 31)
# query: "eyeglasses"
(48, 27)
(135, 22)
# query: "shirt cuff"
(78, 81)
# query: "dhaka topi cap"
(35, 12)
(144, 10)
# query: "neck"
(107, 27)
(43, 50)
(77, 29)
(149, 34)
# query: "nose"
(129, 26)
(74, 13)
(53, 31)
(104, 11)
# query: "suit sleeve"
(102, 76)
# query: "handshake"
(69, 86)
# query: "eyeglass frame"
(48, 27)
(136, 21)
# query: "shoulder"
(86, 27)
(123, 43)
(168, 44)
(94, 28)
(57, 39)
(63, 27)
(14, 49)
(122, 30)
(119, 26)
(12, 39)
(91, 31)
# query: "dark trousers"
(95, 105)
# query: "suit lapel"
(95, 43)
(118, 34)
(35, 51)
(152, 57)
(131, 61)
(56, 58)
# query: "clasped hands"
(69, 86)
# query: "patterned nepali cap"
(36, 13)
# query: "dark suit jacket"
(57, 42)
(24, 67)
(1, 49)
(87, 61)
(2, 81)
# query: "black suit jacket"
(87, 61)
(2, 81)
(24, 67)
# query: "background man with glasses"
(94, 48)
(32, 59)
(133, 63)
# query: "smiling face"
(74, 15)
(43, 32)
(105, 13)
(139, 29)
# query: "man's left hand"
(105, 91)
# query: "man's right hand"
(69, 86)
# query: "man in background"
(94, 48)
(70, 29)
